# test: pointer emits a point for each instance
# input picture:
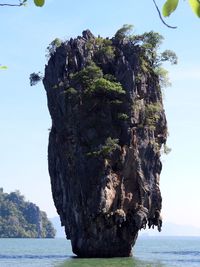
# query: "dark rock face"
(104, 145)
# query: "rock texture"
(104, 146)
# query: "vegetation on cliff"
(22, 219)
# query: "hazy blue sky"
(24, 118)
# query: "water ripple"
(184, 252)
(33, 256)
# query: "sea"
(148, 252)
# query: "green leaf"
(169, 7)
(195, 5)
(3, 67)
(39, 2)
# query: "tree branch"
(172, 27)
(11, 4)
(21, 3)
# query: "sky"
(24, 118)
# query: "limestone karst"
(108, 127)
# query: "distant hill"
(172, 229)
(60, 232)
(22, 219)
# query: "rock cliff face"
(108, 126)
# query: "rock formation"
(108, 127)
(22, 219)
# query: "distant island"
(22, 219)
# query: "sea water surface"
(148, 252)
